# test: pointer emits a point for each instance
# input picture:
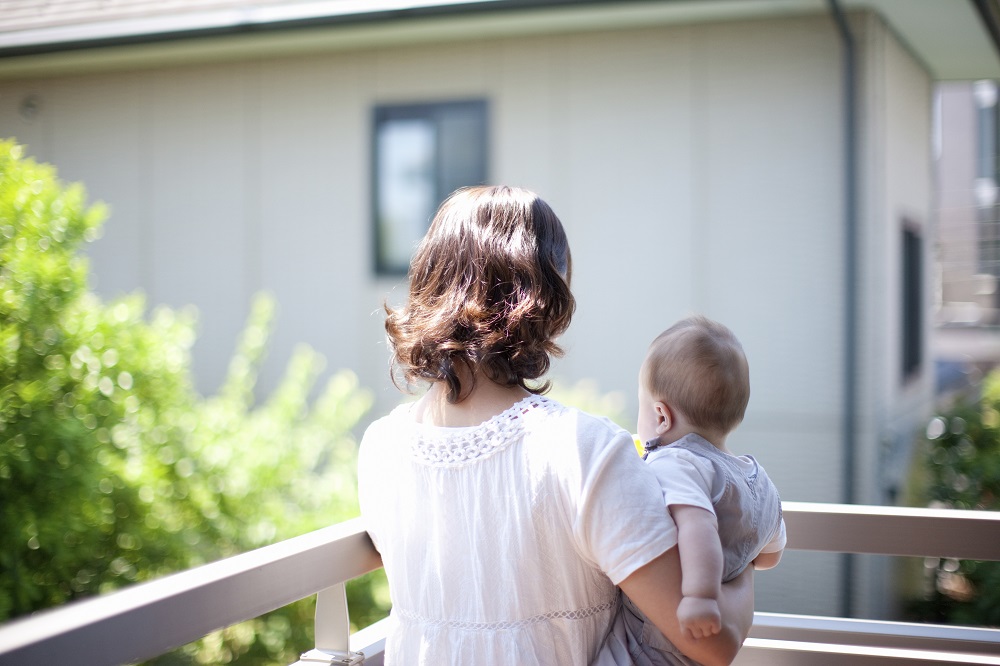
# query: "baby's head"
(697, 371)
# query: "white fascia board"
(946, 35)
(221, 19)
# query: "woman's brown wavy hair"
(489, 293)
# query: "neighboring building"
(967, 340)
(699, 153)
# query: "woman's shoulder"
(534, 417)
(574, 428)
(556, 412)
(388, 428)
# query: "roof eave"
(335, 24)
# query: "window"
(986, 192)
(422, 152)
(913, 311)
(986, 95)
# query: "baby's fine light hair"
(698, 367)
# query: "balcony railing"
(146, 620)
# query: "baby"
(693, 391)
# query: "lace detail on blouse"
(577, 614)
(453, 447)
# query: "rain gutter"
(262, 19)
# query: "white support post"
(333, 627)
(333, 630)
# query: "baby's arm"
(701, 570)
(656, 590)
(767, 560)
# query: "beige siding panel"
(432, 73)
(31, 129)
(772, 255)
(628, 207)
(97, 139)
(525, 140)
(311, 207)
(201, 156)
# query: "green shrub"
(960, 469)
(586, 395)
(113, 469)
(78, 381)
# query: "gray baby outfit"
(748, 509)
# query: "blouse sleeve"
(372, 495)
(621, 523)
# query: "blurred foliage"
(586, 395)
(960, 469)
(114, 470)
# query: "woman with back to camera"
(504, 519)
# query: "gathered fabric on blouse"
(503, 542)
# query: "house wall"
(908, 200)
(696, 168)
(895, 191)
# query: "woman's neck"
(486, 400)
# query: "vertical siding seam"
(253, 196)
(700, 220)
(144, 223)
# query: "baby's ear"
(664, 417)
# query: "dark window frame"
(912, 300)
(437, 113)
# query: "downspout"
(849, 441)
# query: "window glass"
(407, 193)
(912, 297)
(422, 153)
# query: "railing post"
(333, 630)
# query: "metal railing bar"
(883, 530)
(371, 641)
(768, 652)
(148, 619)
(145, 620)
(810, 628)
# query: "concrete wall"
(696, 168)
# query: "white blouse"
(503, 542)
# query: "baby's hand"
(699, 618)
